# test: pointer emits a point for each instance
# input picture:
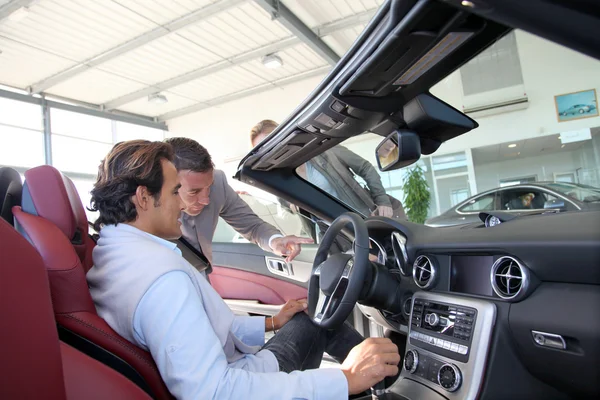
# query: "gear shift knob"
(378, 390)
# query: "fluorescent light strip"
(447, 45)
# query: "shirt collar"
(132, 229)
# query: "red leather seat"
(53, 219)
(34, 364)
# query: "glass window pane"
(84, 187)
(21, 147)
(127, 131)
(77, 155)
(484, 203)
(21, 114)
(81, 125)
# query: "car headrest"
(68, 284)
(53, 196)
(11, 190)
(30, 361)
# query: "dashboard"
(508, 303)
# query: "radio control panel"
(441, 328)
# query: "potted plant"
(417, 195)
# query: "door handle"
(279, 267)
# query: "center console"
(447, 348)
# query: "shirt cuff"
(250, 330)
(329, 383)
(275, 236)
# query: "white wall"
(548, 70)
(543, 167)
(225, 130)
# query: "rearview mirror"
(398, 150)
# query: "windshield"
(538, 123)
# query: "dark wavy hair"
(128, 165)
(190, 155)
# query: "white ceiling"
(113, 53)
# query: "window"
(21, 147)
(483, 203)
(524, 199)
(67, 123)
(18, 113)
(459, 195)
(125, 131)
(282, 216)
(21, 134)
(78, 155)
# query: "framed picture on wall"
(576, 105)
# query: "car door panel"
(251, 258)
(235, 284)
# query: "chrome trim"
(409, 301)
(380, 247)
(400, 240)
(550, 340)
(458, 375)
(433, 272)
(415, 361)
(324, 301)
(252, 307)
(498, 190)
(524, 278)
(473, 370)
(273, 264)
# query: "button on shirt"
(172, 323)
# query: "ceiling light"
(467, 3)
(19, 15)
(562, 147)
(157, 98)
(512, 145)
(272, 61)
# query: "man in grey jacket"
(208, 196)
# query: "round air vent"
(509, 278)
(424, 272)
(400, 253)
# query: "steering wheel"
(336, 281)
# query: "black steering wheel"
(336, 281)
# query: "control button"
(462, 349)
(431, 340)
(411, 361)
(413, 334)
(454, 347)
(449, 377)
(447, 345)
(337, 106)
(312, 128)
(432, 319)
(439, 342)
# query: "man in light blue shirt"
(154, 298)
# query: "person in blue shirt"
(148, 293)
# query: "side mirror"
(398, 150)
(556, 204)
